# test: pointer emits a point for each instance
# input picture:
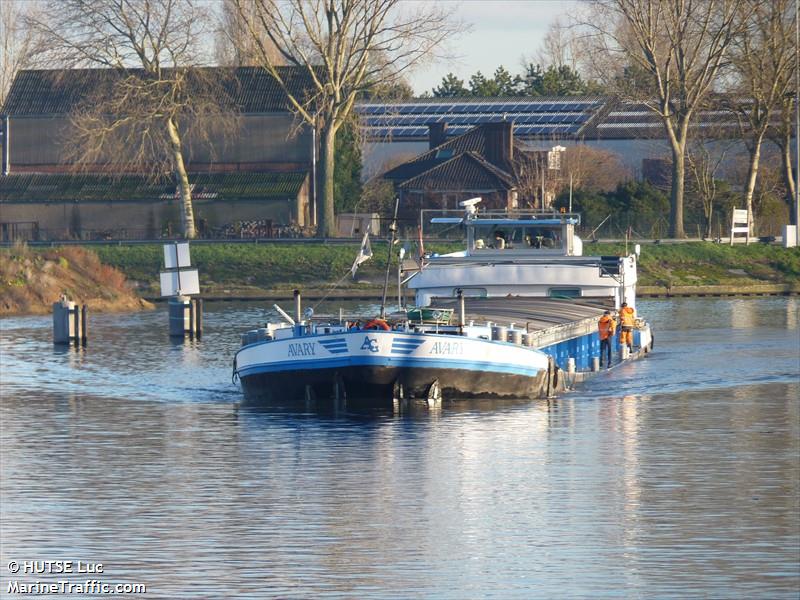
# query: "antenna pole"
(393, 230)
(399, 285)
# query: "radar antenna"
(470, 206)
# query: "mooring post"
(76, 325)
(192, 322)
(63, 316)
(570, 365)
(178, 317)
(595, 363)
(84, 325)
(198, 316)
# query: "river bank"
(31, 280)
(271, 271)
(274, 269)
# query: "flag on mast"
(364, 253)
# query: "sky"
(502, 32)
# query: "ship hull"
(380, 385)
(377, 367)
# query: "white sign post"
(178, 281)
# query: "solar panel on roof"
(532, 117)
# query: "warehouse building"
(397, 131)
(255, 173)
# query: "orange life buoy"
(378, 324)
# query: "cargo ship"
(512, 315)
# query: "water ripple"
(675, 476)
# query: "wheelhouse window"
(499, 237)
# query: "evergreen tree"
(451, 87)
(562, 81)
(347, 172)
(506, 84)
(537, 81)
(397, 90)
(480, 86)
(555, 81)
(635, 204)
(533, 80)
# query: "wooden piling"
(84, 325)
(192, 325)
(75, 321)
(198, 317)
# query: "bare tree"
(704, 166)
(345, 49)
(768, 204)
(528, 169)
(560, 47)
(781, 135)
(138, 116)
(593, 168)
(679, 46)
(234, 45)
(16, 42)
(763, 59)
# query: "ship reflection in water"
(672, 476)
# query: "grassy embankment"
(32, 279)
(247, 269)
(243, 269)
(707, 264)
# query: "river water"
(672, 476)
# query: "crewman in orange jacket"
(606, 327)
(627, 316)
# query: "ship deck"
(533, 314)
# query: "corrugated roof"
(47, 92)
(550, 118)
(467, 171)
(30, 187)
(533, 117)
(635, 120)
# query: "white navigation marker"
(179, 279)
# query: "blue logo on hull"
(335, 346)
(370, 344)
(405, 345)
